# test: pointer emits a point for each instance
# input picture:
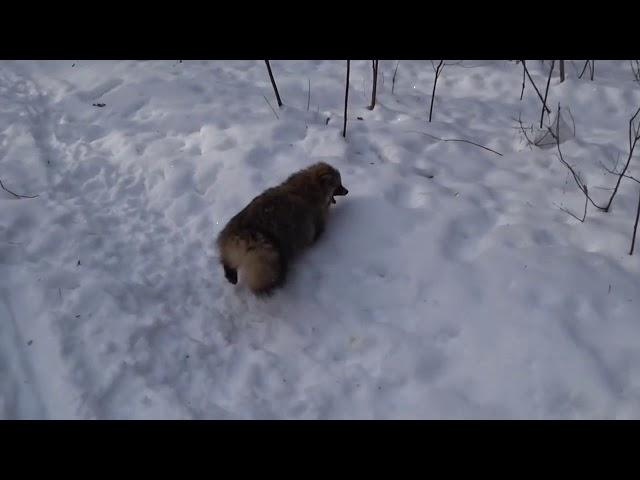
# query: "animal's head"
(330, 181)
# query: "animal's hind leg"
(230, 274)
(270, 289)
(266, 271)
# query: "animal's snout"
(341, 191)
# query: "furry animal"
(263, 238)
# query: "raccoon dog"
(276, 226)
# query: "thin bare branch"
(634, 136)
(544, 104)
(584, 69)
(438, 70)
(572, 121)
(586, 204)
(635, 69)
(309, 94)
(346, 100)
(456, 140)
(374, 66)
(524, 131)
(614, 172)
(472, 143)
(637, 132)
(546, 92)
(586, 197)
(635, 227)
(573, 64)
(584, 215)
(272, 109)
(524, 78)
(16, 194)
(426, 134)
(273, 83)
(393, 81)
(582, 186)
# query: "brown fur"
(276, 226)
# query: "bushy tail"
(260, 262)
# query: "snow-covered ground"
(448, 284)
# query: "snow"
(448, 283)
